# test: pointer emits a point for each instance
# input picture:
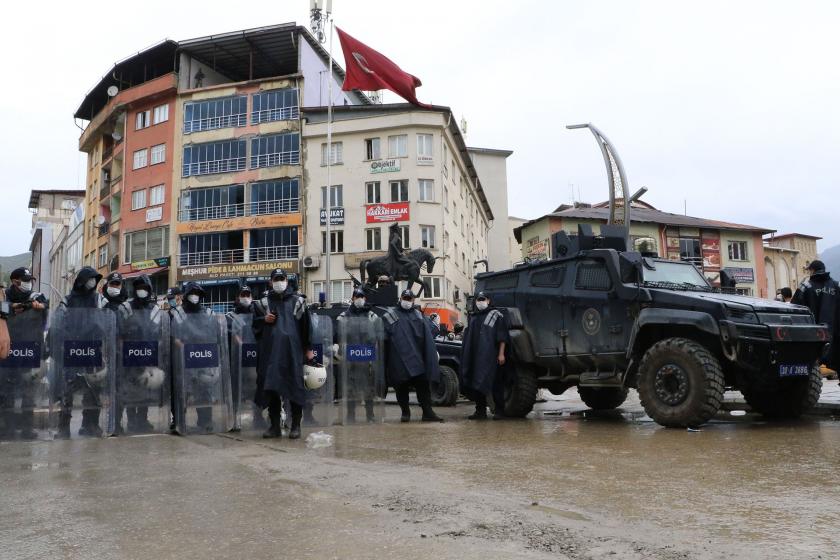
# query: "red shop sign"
(392, 212)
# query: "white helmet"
(314, 377)
(208, 376)
(151, 378)
(96, 377)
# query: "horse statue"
(408, 269)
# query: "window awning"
(147, 272)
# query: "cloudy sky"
(727, 109)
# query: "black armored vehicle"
(606, 320)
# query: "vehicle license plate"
(794, 370)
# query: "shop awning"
(147, 272)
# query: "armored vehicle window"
(592, 275)
(548, 278)
(502, 282)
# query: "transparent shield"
(24, 384)
(361, 361)
(82, 345)
(320, 407)
(243, 375)
(143, 370)
(202, 376)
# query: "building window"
(161, 114)
(738, 251)
(337, 241)
(463, 223)
(644, 244)
(212, 204)
(146, 245)
(141, 158)
(446, 199)
(336, 153)
(279, 149)
(275, 197)
(142, 120)
(156, 195)
(374, 239)
(103, 255)
(342, 290)
(158, 154)
(434, 284)
(273, 244)
(455, 254)
(690, 251)
(427, 237)
(399, 191)
(424, 149)
(372, 149)
(464, 261)
(397, 146)
(374, 195)
(336, 196)
(215, 113)
(211, 248)
(138, 199)
(214, 157)
(406, 242)
(445, 156)
(427, 190)
(275, 105)
(445, 241)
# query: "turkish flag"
(371, 70)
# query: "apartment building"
(393, 164)
(786, 259)
(52, 212)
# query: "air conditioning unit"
(311, 262)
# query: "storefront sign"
(392, 212)
(537, 250)
(245, 222)
(710, 244)
(336, 216)
(154, 214)
(153, 263)
(740, 275)
(384, 166)
(241, 270)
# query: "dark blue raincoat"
(410, 346)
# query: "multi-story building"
(491, 166)
(711, 245)
(394, 164)
(52, 211)
(786, 259)
(66, 252)
(514, 247)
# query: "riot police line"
(100, 363)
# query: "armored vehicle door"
(543, 308)
(593, 315)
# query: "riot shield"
(142, 384)
(243, 375)
(362, 364)
(82, 371)
(202, 377)
(319, 409)
(24, 386)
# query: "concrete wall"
(315, 85)
(491, 166)
(189, 67)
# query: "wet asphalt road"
(560, 484)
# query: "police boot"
(275, 416)
(308, 419)
(7, 431)
(350, 417)
(63, 431)
(90, 423)
(424, 397)
(294, 432)
(479, 414)
(141, 420)
(369, 412)
(258, 422)
(27, 420)
(204, 419)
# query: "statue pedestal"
(384, 296)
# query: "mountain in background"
(8, 264)
(831, 258)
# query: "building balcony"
(215, 166)
(287, 206)
(239, 256)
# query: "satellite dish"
(112, 91)
(100, 220)
(116, 136)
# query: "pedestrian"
(483, 358)
(411, 356)
(821, 294)
(114, 291)
(282, 333)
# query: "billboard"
(390, 212)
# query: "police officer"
(83, 295)
(173, 298)
(282, 333)
(192, 304)
(821, 294)
(434, 324)
(357, 384)
(22, 300)
(245, 305)
(114, 291)
(483, 358)
(173, 302)
(411, 356)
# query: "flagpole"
(328, 220)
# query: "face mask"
(406, 304)
(142, 294)
(26, 286)
(280, 286)
(481, 305)
(172, 302)
(193, 298)
(264, 302)
(246, 301)
(113, 292)
(90, 284)
(359, 302)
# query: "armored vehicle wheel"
(680, 383)
(445, 393)
(520, 391)
(792, 398)
(603, 398)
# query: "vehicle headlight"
(740, 314)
